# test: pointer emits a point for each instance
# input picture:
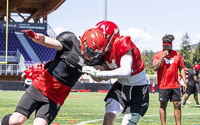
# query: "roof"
(36, 8)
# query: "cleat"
(198, 105)
(188, 102)
(183, 106)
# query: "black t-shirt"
(191, 81)
(67, 74)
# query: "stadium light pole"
(105, 9)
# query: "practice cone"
(56, 123)
(72, 121)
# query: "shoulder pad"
(122, 45)
(67, 39)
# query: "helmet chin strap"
(93, 62)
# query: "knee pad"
(131, 119)
(113, 106)
(5, 120)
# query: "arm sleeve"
(124, 70)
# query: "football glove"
(92, 71)
(31, 34)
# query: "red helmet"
(110, 31)
(197, 67)
(93, 45)
(30, 67)
(186, 70)
(39, 65)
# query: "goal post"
(6, 51)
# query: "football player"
(129, 94)
(49, 90)
(180, 80)
(27, 76)
(37, 71)
(191, 89)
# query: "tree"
(147, 58)
(196, 54)
(186, 51)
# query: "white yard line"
(122, 117)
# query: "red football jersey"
(28, 74)
(120, 47)
(167, 74)
(36, 72)
(51, 87)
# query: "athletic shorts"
(191, 89)
(181, 89)
(172, 94)
(134, 99)
(33, 100)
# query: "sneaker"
(183, 106)
(188, 102)
(198, 105)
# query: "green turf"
(83, 107)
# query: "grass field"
(88, 109)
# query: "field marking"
(82, 123)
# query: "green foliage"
(147, 58)
(186, 51)
(83, 107)
(196, 54)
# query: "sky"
(146, 21)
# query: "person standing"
(191, 88)
(129, 94)
(167, 62)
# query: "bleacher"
(13, 44)
(19, 55)
(44, 53)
